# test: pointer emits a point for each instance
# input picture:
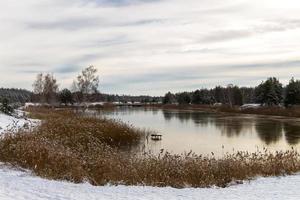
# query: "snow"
(13, 123)
(16, 184)
(250, 105)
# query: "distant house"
(217, 105)
(250, 106)
(29, 104)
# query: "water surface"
(204, 132)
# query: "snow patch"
(19, 185)
(13, 123)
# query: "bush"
(5, 107)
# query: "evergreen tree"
(292, 93)
(169, 98)
(65, 96)
(237, 96)
(219, 94)
(183, 98)
(196, 97)
(5, 107)
(269, 92)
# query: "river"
(204, 133)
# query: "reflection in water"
(208, 132)
(292, 133)
(269, 132)
(230, 126)
(168, 115)
(199, 118)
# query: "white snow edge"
(18, 185)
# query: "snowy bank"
(17, 185)
(13, 123)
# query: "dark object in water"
(156, 137)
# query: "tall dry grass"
(72, 147)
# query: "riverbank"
(269, 111)
(77, 148)
(293, 112)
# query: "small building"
(250, 106)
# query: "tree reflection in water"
(292, 133)
(269, 131)
(232, 126)
(199, 118)
(209, 130)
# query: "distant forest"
(15, 95)
(22, 96)
(269, 93)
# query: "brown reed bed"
(69, 146)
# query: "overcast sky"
(150, 46)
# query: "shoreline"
(293, 113)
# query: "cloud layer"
(150, 46)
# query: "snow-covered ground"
(17, 185)
(13, 123)
(22, 185)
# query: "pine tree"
(65, 96)
(269, 92)
(292, 94)
(5, 107)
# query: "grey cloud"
(194, 73)
(269, 27)
(65, 69)
(279, 25)
(117, 2)
(143, 22)
(266, 65)
(226, 35)
(112, 41)
(65, 24)
(79, 23)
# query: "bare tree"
(74, 87)
(88, 81)
(50, 89)
(229, 94)
(77, 95)
(46, 88)
(38, 85)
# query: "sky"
(150, 47)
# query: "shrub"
(5, 107)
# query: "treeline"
(84, 89)
(15, 95)
(100, 97)
(68, 96)
(269, 93)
